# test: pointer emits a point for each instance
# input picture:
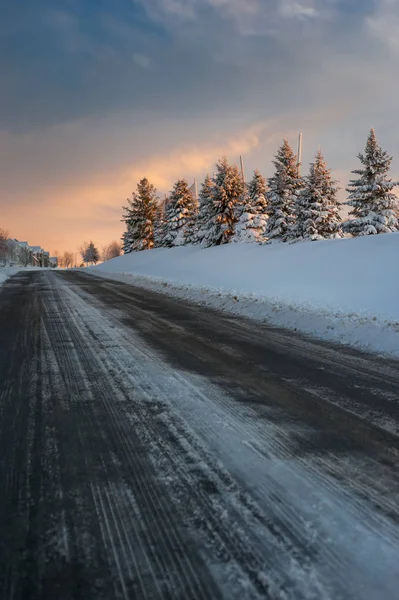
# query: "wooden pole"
(242, 169)
(299, 153)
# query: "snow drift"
(343, 290)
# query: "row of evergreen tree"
(287, 208)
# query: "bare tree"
(25, 256)
(104, 254)
(67, 259)
(4, 249)
(111, 250)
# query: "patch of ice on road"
(345, 291)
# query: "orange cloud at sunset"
(81, 180)
(62, 217)
(164, 88)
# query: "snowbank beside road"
(6, 272)
(342, 290)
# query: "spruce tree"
(139, 217)
(180, 213)
(160, 224)
(89, 253)
(93, 255)
(252, 222)
(206, 214)
(191, 229)
(374, 205)
(229, 188)
(284, 187)
(317, 212)
(226, 196)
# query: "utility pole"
(242, 169)
(299, 153)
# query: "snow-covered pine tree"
(317, 207)
(139, 217)
(284, 187)
(228, 187)
(252, 222)
(374, 205)
(206, 214)
(160, 224)
(191, 229)
(180, 212)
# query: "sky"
(96, 94)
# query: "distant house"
(41, 258)
(37, 255)
(25, 256)
(15, 252)
(46, 259)
(54, 262)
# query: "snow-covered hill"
(342, 290)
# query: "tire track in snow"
(232, 542)
(386, 501)
(155, 483)
(332, 561)
(348, 373)
(168, 558)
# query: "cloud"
(63, 210)
(96, 95)
(195, 160)
(293, 9)
(383, 25)
(175, 57)
(249, 17)
(142, 60)
(69, 189)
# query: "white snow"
(342, 290)
(6, 272)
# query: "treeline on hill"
(287, 208)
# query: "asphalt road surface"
(154, 449)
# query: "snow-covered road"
(153, 449)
